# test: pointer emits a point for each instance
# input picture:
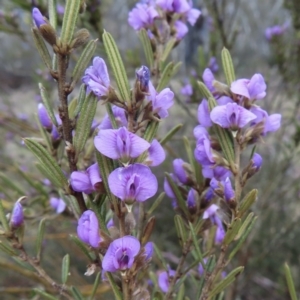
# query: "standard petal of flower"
(101, 69)
(138, 145)
(156, 154)
(239, 87)
(257, 87)
(80, 182)
(108, 260)
(181, 29)
(199, 132)
(179, 170)
(164, 100)
(273, 123)
(193, 15)
(105, 143)
(94, 174)
(204, 114)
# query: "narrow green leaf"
(52, 8)
(41, 47)
(232, 231)
(146, 43)
(116, 290)
(47, 103)
(3, 218)
(76, 293)
(165, 76)
(196, 244)
(242, 239)
(205, 92)
(170, 134)
(44, 294)
(228, 67)
(47, 162)
(225, 282)
(69, 20)
(244, 226)
(156, 203)
(168, 49)
(95, 286)
(65, 268)
(80, 101)
(6, 248)
(180, 201)
(158, 296)
(247, 202)
(117, 65)
(151, 131)
(40, 238)
(84, 123)
(72, 108)
(160, 257)
(82, 246)
(11, 184)
(83, 61)
(290, 282)
(181, 292)
(180, 229)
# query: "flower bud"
(81, 37)
(180, 170)
(143, 77)
(149, 250)
(256, 161)
(38, 18)
(17, 216)
(44, 117)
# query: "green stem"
(237, 175)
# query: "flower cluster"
(176, 12)
(276, 30)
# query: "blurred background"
(240, 26)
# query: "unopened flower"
(208, 79)
(217, 172)
(176, 6)
(120, 117)
(120, 143)
(204, 114)
(38, 18)
(142, 16)
(155, 154)
(256, 161)
(203, 152)
(213, 64)
(58, 204)
(44, 117)
(192, 15)
(275, 30)
(148, 250)
(181, 29)
(167, 187)
(133, 183)
(231, 116)
(228, 190)
(192, 199)
(110, 223)
(17, 215)
(120, 254)
(88, 229)
(164, 279)
(179, 170)
(252, 89)
(161, 101)
(143, 76)
(187, 90)
(96, 78)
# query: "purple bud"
(38, 18)
(143, 76)
(168, 189)
(44, 117)
(88, 229)
(110, 223)
(17, 216)
(213, 65)
(58, 204)
(164, 279)
(257, 161)
(228, 190)
(148, 250)
(156, 154)
(179, 170)
(142, 16)
(192, 199)
(187, 90)
(209, 194)
(204, 114)
(181, 29)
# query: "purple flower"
(231, 116)
(213, 64)
(120, 117)
(228, 190)
(200, 268)
(253, 89)
(60, 9)
(275, 30)
(133, 183)
(86, 182)
(17, 215)
(96, 78)
(120, 254)
(162, 101)
(120, 143)
(192, 198)
(208, 79)
(204, 114)
(58, 204)
(181, 29)
(187, 90)
(271, 123)
(44, 117)
(209, 194)
(143, 76)
(199, 131)
(38, 18)
(203, 152)
(110, 223)
(179, 171)
(192, 15)
(217, 172)
(155, 154)
(256, 161)
(164, 279)
(176, 6)
(88, 229)
(142, 16)
(148, 250)
(168, 189)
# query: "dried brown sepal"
(81, 37)
(48, 33)
(148, 230)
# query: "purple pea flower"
(213, 64)
(120, 143)
(271, 123)
(231, 116)
(209, 194)
(110, 223)
(58, 204)
(133, 183)
(275, 30)
(142, 16)
(38, 18)
(120, 254)
(60, 9)
(143, 76)
(176, 6)
(155, 154)
(17, 215)
(203, 152)
(148, 250)
(86, 182)
(256, 161)
(192, 199)
(252, 89)
(161, 101)
(200, 268)
(168, 189)
(181, 29)
(179, 170)
(120, 117)
(164, 279)
(192, 15)
(204, 114)
(88, 229)
(187, 90)
(217, 172)
(208, 79)
(44, 117)
(199, 131)
(228, 190)
(96, 78)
